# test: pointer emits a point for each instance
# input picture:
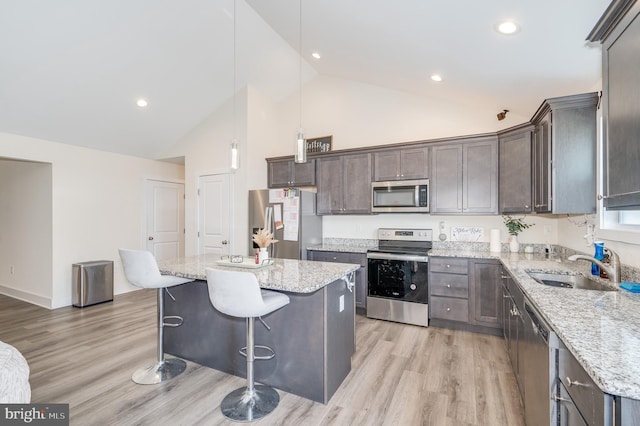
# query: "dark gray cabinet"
(344, 184)
(515, 170)
(347, 257)
(486, 294)
(464, 177)
(466, 291)
(564, 158)
(401, 164)
(541, 166)
(513, 326)
(448, 289)
(287, 173)
(619, 31)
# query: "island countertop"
(295, 276)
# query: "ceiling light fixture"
(301, 145)
(235, 153)
(316, 55)
(436, 77)
(142, 103)
(507, 27)
(501, 115)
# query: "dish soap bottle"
(599, 254)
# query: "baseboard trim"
(26, 296)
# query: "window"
(631, 217)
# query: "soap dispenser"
(599, 254)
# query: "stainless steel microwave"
(402, 196)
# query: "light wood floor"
(401, 374)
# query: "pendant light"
(301, 145)
(235, 149)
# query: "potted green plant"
(515, 225)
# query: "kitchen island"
(313, 336)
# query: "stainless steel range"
(397, 276)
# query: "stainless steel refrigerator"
(289, 213)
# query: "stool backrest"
(140, 268)
(235, 293)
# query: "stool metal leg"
(253, 401)
(163, 369)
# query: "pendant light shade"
(235, 155)
(301, 148)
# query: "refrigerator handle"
(269, 225)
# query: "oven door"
(397, 276)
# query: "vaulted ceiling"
(71, 70)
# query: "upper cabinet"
(344, 184)
(464, 177)
(401, 164)
(619, 31)
(284, 173)
(515, 169)
(564, 155)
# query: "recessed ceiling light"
(142, 103)
(436, 77)
(316, 55)
(507, 27)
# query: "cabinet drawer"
(449, 308)
(450, 285)
(585, 393)
(339, 257)
(450, 265)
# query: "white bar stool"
(141, 270)
(238, 294)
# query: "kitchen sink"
(579, 282)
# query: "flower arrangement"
(263, 238)
(515, 225)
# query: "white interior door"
(214, 206)
(165, 218)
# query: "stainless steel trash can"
(92, 282)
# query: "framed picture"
(322, 144)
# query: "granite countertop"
(295, 276)
(600, 328)
(344, 248)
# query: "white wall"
(97, 205)
(26, 220)
(359, 114)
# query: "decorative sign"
(322, 144)
(467, 233)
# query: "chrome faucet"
(613, 269)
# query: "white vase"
(514, 245)
(263, 254)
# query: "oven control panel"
(405, 234)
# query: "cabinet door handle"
(448, 309)
(575, 383)
(448, 285)
(560, 399)
(448, 266)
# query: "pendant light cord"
(300, 67)
(235, 124)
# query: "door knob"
(225, 242)
(150, 238)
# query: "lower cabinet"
(347, 257)
(513, 326)
(466, 292)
